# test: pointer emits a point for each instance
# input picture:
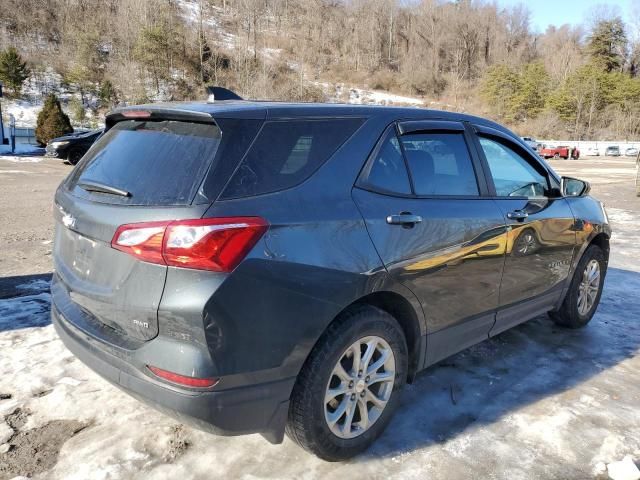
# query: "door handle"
(405, 219)
(517, 215)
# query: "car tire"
(74, 156)
(573, 313)
(310, 412)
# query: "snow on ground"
(537, 401)
(24, 152)
(23, 157)
(511, 407)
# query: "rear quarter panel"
(316, 259)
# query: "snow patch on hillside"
(339, 92)
(212, 20)
(25, 113)
(360, 96)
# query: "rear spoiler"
(156, 113)
(163, 113)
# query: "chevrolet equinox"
(274, 267)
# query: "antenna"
(220, 93)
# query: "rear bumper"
(258, 408)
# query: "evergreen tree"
(582, 96)
(530, 98)
(107, 94)
(52, 121)
(607, 44)
(499, 88)
(153, 50)
(78, 112)
(13, 71)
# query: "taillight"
(183, 380)
(217, 244)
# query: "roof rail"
(220, 93)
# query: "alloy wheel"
(588, 288)
(359, 387)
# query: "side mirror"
(572, 187)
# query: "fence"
(26, 136)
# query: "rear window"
(286, 153)
(157, 162)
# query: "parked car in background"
(551, 151)
(593, 152)
(531, 142)
(612, 151)
(184, 275)
(631, 152)
(72, 147)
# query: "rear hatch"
(140, 170)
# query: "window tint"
(238, 135)
(513, 175)
(286, 153)
(440, 164)
(388, 170)
(158, 162)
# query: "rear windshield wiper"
(102, 188)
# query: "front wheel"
(74, 156)
(584, 293)
(350, 385)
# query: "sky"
(559, 12)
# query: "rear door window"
(286, 153)
(157, 162)
(440, 164)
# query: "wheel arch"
(404, 311)
(602, 241)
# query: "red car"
(551, 151)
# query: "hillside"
(465, 56)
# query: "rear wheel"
(585, 290)
(350, 385)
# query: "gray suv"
(261, 267)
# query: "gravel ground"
(534, 402)
(27, 186)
